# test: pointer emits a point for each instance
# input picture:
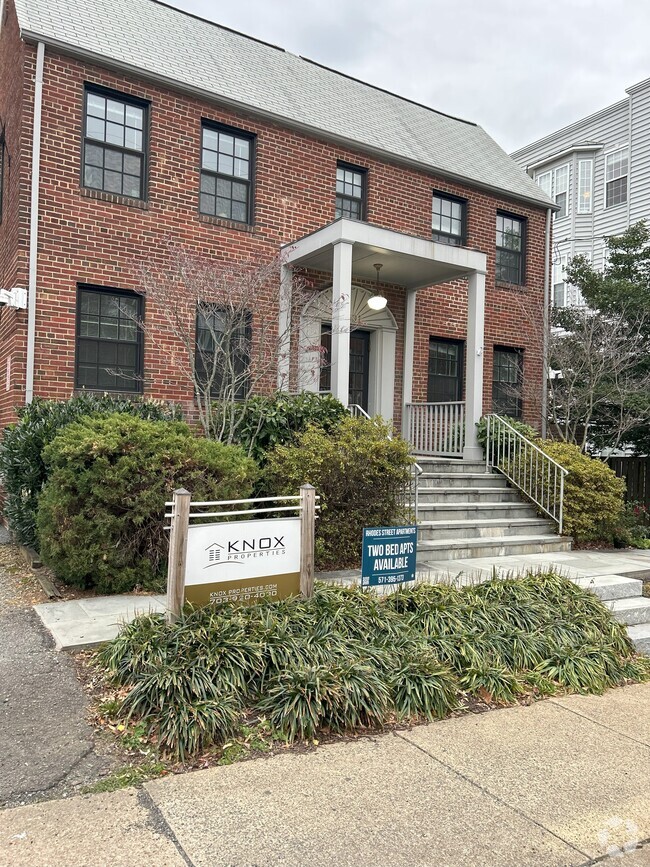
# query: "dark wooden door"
(359, 368)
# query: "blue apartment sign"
(388, 555)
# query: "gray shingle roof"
(182, 49)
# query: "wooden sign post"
(180, 522)
(307, 533)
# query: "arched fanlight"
(378, 301)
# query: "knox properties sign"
(243, 561)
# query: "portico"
(349, 249)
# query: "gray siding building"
(598, 172)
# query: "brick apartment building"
(125, 123)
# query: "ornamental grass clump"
(348, 660)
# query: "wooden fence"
(636, 472)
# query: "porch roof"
(407, 261)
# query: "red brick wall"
(89, 238)
(14, 225)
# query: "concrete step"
(462, 480)
(609, 587)
(448, 465)
(476, 512)
(484, 529)
(633, 612)
(504, 546)
(484, 494)
(640, 636)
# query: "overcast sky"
(520, 68)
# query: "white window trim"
(608, 157)
(559, 269)
(580, 209)
(552, 173)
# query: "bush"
(593, 495)
(360, 474)
(22, 468)
(349, 660)
(524, 429)
(264, 422)
(100, 515)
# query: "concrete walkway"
(84, 623)
(558, 784)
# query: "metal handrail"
(355, 411)
(527, 466)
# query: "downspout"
(546, 320)
(33, 223)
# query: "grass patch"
(129, 775)
(350, 661)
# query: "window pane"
(207, 204)
(95, 128)
(241, 168)
(115, 134)
(108, 329)
(134, 116)
(132, 164)
(133, 139)
(95, 105)
(225, 164)
(210, 139)
(115, 111)
(88, 326)
(239, 212)
(208, 184)
(93, 177)
(90, 302)
(226, 144)
(113, 182)
(224, 188)
(242, 148)
(88, 351)
(113, 160)
(223, 208)
(107, 354)
(94, 155)
(209, 160)
(239, 192)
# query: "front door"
(359, 365)
(359, 368)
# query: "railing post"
(561, 521)
(307, 534)
(180, 522)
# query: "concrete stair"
(624, 597)
(466, 512)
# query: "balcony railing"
(436, 428)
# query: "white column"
(474, 376)
(409, 351)
(284, 328)
(341, 299)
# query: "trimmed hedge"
(22, 468)
(360, 474)
(264, 422)
(100, 516)
(593, 494)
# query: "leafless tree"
(216, 323)
(596, 391)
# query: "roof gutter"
(546, 326)
(209, 96)
(33, 222)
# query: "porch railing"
(436, 428)
(537, 476)
(412, 494)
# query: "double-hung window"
(114, 150)
(448, 219)
(555, 183)
(559, 282)
(507, 381)
(445, 371)
(226, 173)
(616, 171)
(350, 192)
(109, 340)
(585, 185)
(223, 351)
(510, 249)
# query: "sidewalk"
(552, 785)
(84, 623)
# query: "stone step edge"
(491, 542)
